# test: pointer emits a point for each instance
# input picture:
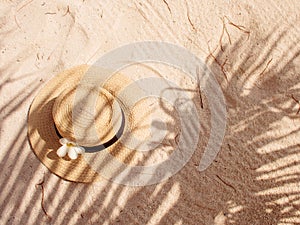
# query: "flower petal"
(79, 149)
(72, 153)
(62, 151)
(63, 141)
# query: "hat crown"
(88, 116)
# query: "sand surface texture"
(253, 49)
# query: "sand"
(253, 50)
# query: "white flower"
(69, 147)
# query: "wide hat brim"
(114, 160)
(42, 133)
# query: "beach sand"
(253, 50)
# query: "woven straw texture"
(43, 137)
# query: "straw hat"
(51, 117)
(92, 109)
